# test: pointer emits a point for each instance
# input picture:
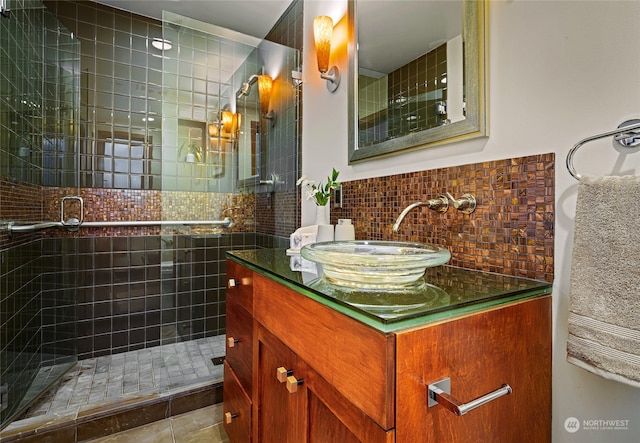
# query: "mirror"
(250, 141)
(418, 88)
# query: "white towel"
(604, 308)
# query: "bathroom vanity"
(309, 362)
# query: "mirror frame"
(475, 86)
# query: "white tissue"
(302, 236)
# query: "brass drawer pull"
(293, 383)
(228, 417)
(282, 373)
(438, 393)
(231, 342)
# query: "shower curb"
(102, 420)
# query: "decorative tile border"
(511, 232)
(131, 205)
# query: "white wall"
(559, 71)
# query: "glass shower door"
(39, 61)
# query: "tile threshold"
(113, 417)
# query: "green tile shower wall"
(141, 291)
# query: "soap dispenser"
(345, 230)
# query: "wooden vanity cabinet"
(321, 376)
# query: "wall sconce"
(322, 32)
(213, 130)
(226, 128)
(235, 125)
(265, 86)
(226, 118)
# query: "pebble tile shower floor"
(141, 372)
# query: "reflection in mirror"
(417, 88)
(249, 142)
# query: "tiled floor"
(142, 372)
(199, 426)
(146, 383)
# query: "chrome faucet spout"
(402, 215)
(440, 204)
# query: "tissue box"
(302, 236)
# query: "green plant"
(191, 148)
(320, 193)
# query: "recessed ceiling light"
(161, 44)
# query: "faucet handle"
(440, 204)
(465, 204)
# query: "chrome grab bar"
(627, 134)
(438, 393)
(11, 227)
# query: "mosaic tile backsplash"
(511, 232)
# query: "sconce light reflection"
(322, 32)
(226, 128)
(265, 86)
(227, 121)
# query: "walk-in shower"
(130, 295)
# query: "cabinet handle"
(232, 342)
(293, 383)
(231, 283)
(438, 393)
(282, 373)
(228, 417)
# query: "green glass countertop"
(443, 292)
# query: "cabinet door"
(479, 353)
(315, 412)
(332, 418)
(279, 417)
(239, 345)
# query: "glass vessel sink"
(374, 264)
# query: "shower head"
(246, 86)
(244, 90)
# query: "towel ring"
(627, 135)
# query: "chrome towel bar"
(627, 135)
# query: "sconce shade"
(265, 83)
(213, 130)
(227, 121)
(237, 121)
(322, 32)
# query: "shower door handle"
(71, 222)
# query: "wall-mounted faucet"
(440, 204)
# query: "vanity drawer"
(357, 360)
(240, 284)
(239, 344)
(236, 408)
